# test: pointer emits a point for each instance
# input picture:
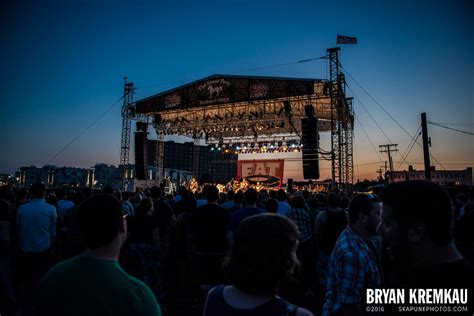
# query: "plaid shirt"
(354, 267)
(301, 218)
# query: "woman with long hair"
(263, 254)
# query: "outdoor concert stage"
(271, 123)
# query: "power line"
(378, 104)
(367, 135)
(388, 149)
(450, 128)
(370, 115)
(409, 148)
(445, 163)
(462, 124)
(85, 130)
(386, 112)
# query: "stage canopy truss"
(229, 109)
(234, 108)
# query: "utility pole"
(380, 173)
(426, 147)
(389, 149)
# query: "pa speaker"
(290, 185)
(142, 127)
(141, 156)
(309, 138)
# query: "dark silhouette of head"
(37, 190)
(212, 194)
(281, 195)
(271, 241)
(417, 202)
(272, 206)
(250, 196)
(101, 220)
(364, 209)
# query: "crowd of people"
(240, 253)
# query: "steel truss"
(270, 120)
(127, 114)
(342, 126)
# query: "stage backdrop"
(281, 165)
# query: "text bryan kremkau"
(417, 296)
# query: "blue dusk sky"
(62, 64)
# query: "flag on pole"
(341, 39)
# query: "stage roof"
(223, 106)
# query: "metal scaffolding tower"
(160, 157)
(342, 126)
(349, 145)
(127, 114)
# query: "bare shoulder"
(303, 312)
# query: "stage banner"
(251, 168)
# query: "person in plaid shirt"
(354, 265)
(300, 217)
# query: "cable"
(462, 124)
(281, 65)
(375, 101)
(367, 135)
(388, 114)
(85, 130)
(243, 70)
(409, 148)
(356, 160)
(370, 115)
(445, 163)
(450, 128)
